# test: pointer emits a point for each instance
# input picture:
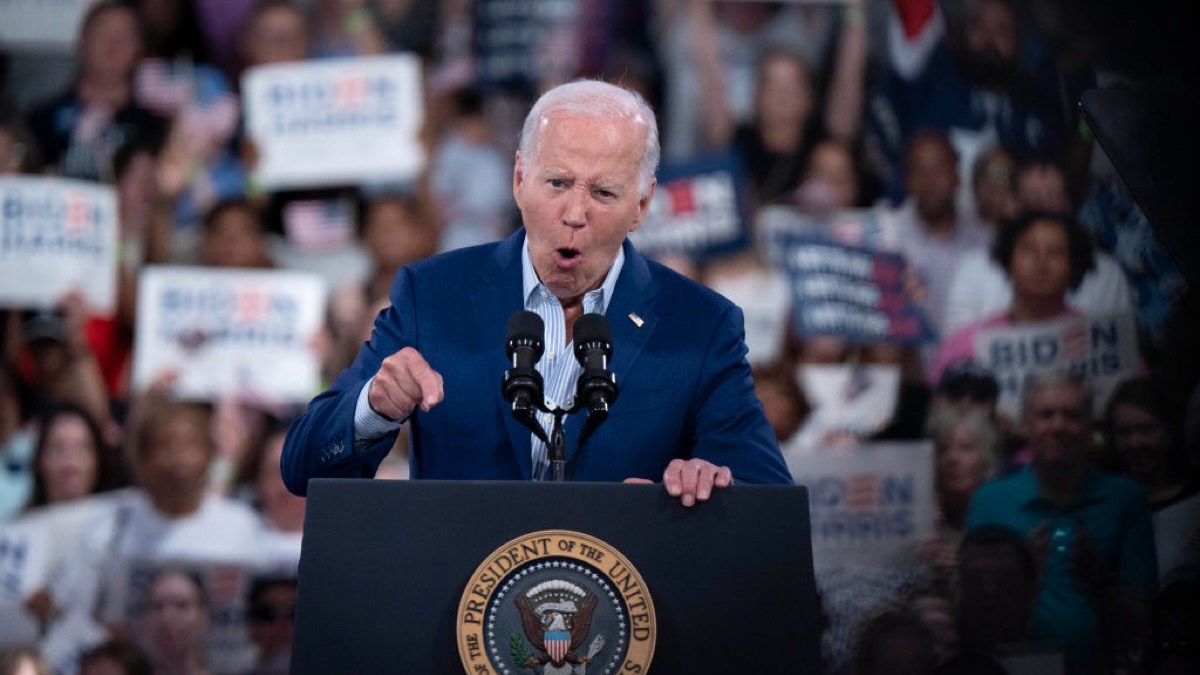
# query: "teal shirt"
(1116, 514)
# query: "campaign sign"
(50, 25)
(335, 121)
(874, 228)
(851, 292)
(763, 296)
(699, 209)
(57, 235)
(229, 332)
(1103, 350)
(33, 548)
(870, 505)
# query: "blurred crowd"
(956, 118)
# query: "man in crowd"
(1090, 530)
(686, 412)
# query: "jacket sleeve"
(322, 443)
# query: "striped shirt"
(558, 367)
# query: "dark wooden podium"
(385, 563)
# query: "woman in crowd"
(965, 457)
(175, 623)
(1144, 443)
(787, 118)
(1045, 255)
(233, 235)
(71, 460)
(79, 131)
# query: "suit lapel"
(631, 313)
(496, 298)
(632, 319)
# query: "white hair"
(945, 420)
(600, 100)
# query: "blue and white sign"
(56, 236)
(871, 505)
(1104, 350)
(851, 292)
(336, 121)
(248, 333)
(699, 209)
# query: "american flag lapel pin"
(637, 320)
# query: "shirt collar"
(530, 282)
(1089, 487)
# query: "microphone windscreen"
(528, 328)
(591, 331)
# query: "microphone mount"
(596, 387)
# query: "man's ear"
(518, 175)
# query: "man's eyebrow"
(609, 185)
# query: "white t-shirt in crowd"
(980, 288)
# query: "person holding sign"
(687, 414)
(79, 131)
(1045, 255)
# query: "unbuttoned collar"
(530, 284)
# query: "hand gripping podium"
(432, 577)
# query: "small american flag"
(172, 89)
(861, 491)
(163, 87)
(317, 223)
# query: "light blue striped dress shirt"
(558, 367)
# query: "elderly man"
(686, 412)
(1089, 529)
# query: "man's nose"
(575, 209)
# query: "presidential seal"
(556, 602)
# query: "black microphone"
(597, 386)
(522, 385)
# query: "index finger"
(428, 380)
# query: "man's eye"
(556, 183)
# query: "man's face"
(178, 456)
(990, 38)
(579, 197)
(932, 178)
(1056, 419)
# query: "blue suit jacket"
(684, 384)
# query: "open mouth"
(568, 253)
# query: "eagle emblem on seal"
(556, 616)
